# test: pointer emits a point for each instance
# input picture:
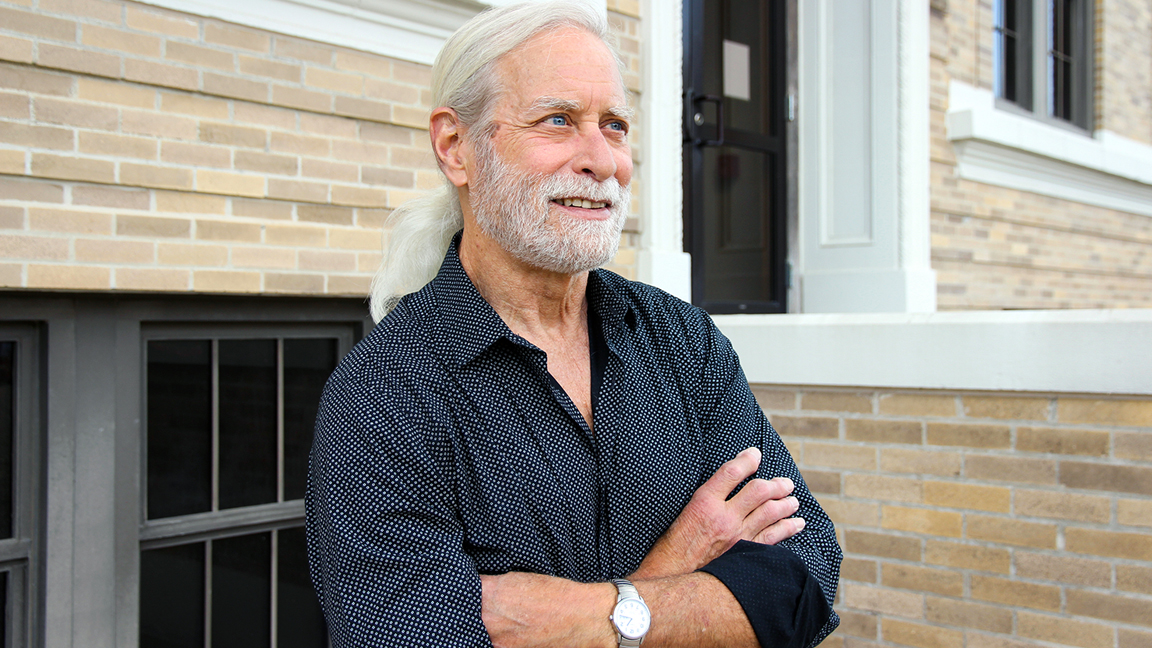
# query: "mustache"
(609, 191)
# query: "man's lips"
(582, 203)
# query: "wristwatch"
(631, 617)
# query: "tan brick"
(920, 635)
(917, 405)
(230, 135)
(858, 569)
(771, 399)
(12, 275)
(329, 126)
(260, 115)
(356, 239)
(193, 203)
(35, 24)
(295, 235)
(413, 73)
(1132, 445)
(1016, 593)
(337, 81)
(878, 431)
(209, 230)
(969, 435)
(15, 105)
(120, 40)
(327, 261)
(1007, 407)
(263, 257)
(882, 545)
(263, 67)
(834, 401)
(1134, 578)
(884, 601)
(1011, 531)
(857, 624)
(17, 50)
(12, 217)
(225, 281)
(393, 92)
(117, 197)
(266, 162)
(327, 170)
(1105, 477)
(114, 251)
(1131, 546)
(295, 283)
(1062, 441)
(26, 79)
(362, 108)
(369, 261)
(240, 37)
(807, 426)
(39, 248)
(324, 213)
(266, 209)
(1134, 512)
(187, 104)
(235, 87)
(26, 135)
(71, 222)
(1104, 412)
(389, 134)
(153, 227)
(1013, 469)
(366, 63)
(98, 9)
(1126, 638)
(851, 513)
(111, 145)
(297, 190)
(157, 124)
(199, 155)
(967, 496)
(359, 196)
(964, 614)
(819, 481)
(300, 144)
(162, 23)
(883, 487)
(951, 554)
(922, 579)
(31, 190)
(161, 74)
(152, 279)
(150, 175)
(1063, 569)
(292, 48)
(121, 94)
(917, 520)
(903, 460)
(200, 56)
(12, 161)
(1063, 506)
(294, 97)
(412, 117)
(406, 179)
(232, 184)
(69, 277)
(200, 256)
(61, 167)
(366, 152)
(75, 59)
(1069, 632)
(348, 285)
(51, 110)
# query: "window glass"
(179, 427)
(7, 432)
(248, 413)
(307, 365)
(172, 597)
(299, 619)
(242, 591)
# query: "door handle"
(694, 117)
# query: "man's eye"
(618, 126)
(558, 120)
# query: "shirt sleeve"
(734, 421)
(385, 547)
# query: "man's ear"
(448, 144)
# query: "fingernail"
(801, 523)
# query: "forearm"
(691, 610)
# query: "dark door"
(734, 159)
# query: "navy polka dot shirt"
(444, 450)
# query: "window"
(1042, 55)
(18, 423)
(229, 415)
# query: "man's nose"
(595, 156)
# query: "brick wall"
(995, 248)
(148, 150)
(981, 520)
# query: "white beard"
(514, 208)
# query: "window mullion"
(1041, 43)
(275, 588)
(208, 588)
(280, 419)
(215, 424)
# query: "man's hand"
(521, 610)
(710, 524)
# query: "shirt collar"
(464, 325)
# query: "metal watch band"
(626, 590)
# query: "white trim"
(1074, 351)
(1000, 147)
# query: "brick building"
(193, 196)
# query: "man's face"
(551, 185)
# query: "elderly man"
(529, 451)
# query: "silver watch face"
(631, 618)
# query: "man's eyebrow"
(571, 105)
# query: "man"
(528, 451)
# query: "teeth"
(580, 202)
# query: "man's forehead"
(561, 65)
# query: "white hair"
(464, 78)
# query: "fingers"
(781, 530)
(729, 475)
